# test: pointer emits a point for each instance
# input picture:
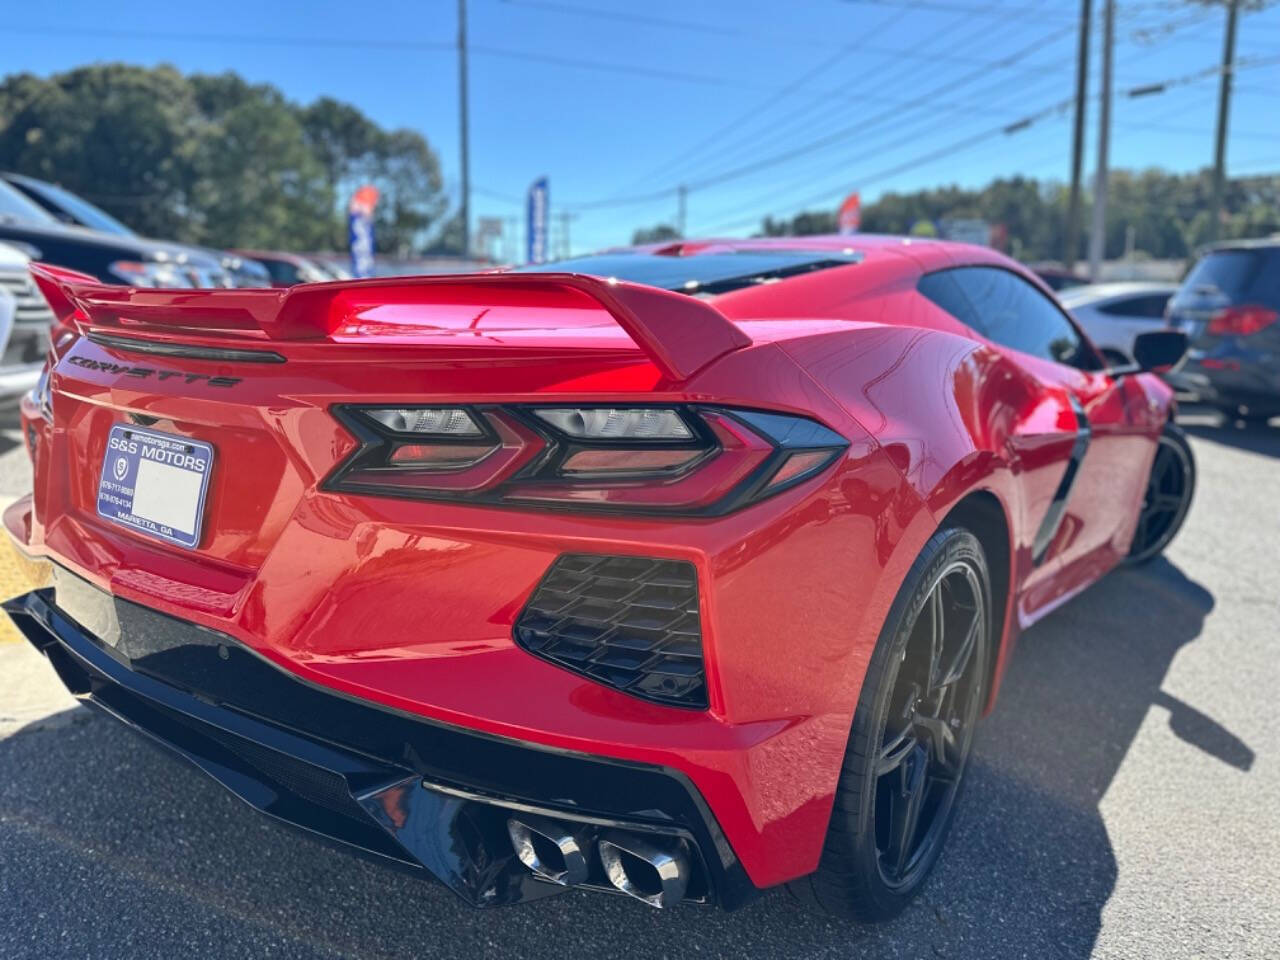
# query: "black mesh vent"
(628, 622)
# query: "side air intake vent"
(627, 622)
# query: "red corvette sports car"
(684, 571)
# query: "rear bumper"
(425, 796)
(1225, 374)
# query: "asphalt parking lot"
(1123, 802)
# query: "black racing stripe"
(1057, 507)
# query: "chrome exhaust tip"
(655, 871)
(549, 849)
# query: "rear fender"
(955, 417)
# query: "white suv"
(24, 341)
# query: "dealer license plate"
(155, 483)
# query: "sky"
(757, 107)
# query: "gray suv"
(1228, 306)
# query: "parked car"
(24, 340)
(599, 574)
(335, 268)
(1113, 314)
(1057, 277)
(69, 208)
(286, 269)
(1228, 305)
(112, 258)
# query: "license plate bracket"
(155, 483)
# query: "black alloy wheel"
(929, 728)
(911, 738)
(1170, 488)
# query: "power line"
(829, 139)
(922, 125)
(965, 143)
(756, 110)
(1010, 128)
(861, 126)
(369, 44)
(496, 195)
(1004, 10)
(803, 119)
(648, 20)
(986, 37)
(1021, 92)
(246, 39)
(937, 154)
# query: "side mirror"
(1159, 351)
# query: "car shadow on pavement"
(1252, 437)
(118, 830)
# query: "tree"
(656, 234)
(121, 136)
(245, 199)
(1167, 212)
(344, 142)
(214, 159)
(407, 173)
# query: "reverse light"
(615, 423)
(663, 459)
(441, 421)
(1241, 321)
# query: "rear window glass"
(1149, 306)
(1240, 275)
(16, 208)
(703, 273)
(945, 292)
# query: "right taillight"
(671, 459)
(1241, 321)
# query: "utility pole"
(682, 200)
(1077, 142)
(1098, 236)
(510, 238)
(465, 205)
(566, 250)
(1224, 111)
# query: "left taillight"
(1242, 321)
(670, 459)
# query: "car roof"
(1254, 243)
(927, 253)
(278, 255)
(1098, 292)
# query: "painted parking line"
(13, 580)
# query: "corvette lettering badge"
(143, 373)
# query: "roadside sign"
(849, 216)
(360, 229)
(536, 234)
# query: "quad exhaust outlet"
(654, 870)
(649, 870)
(549, 849)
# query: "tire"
(1251, 415)
(1157, 527)
(1256, 418)
(857, 879)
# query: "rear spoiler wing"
(678, 333)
